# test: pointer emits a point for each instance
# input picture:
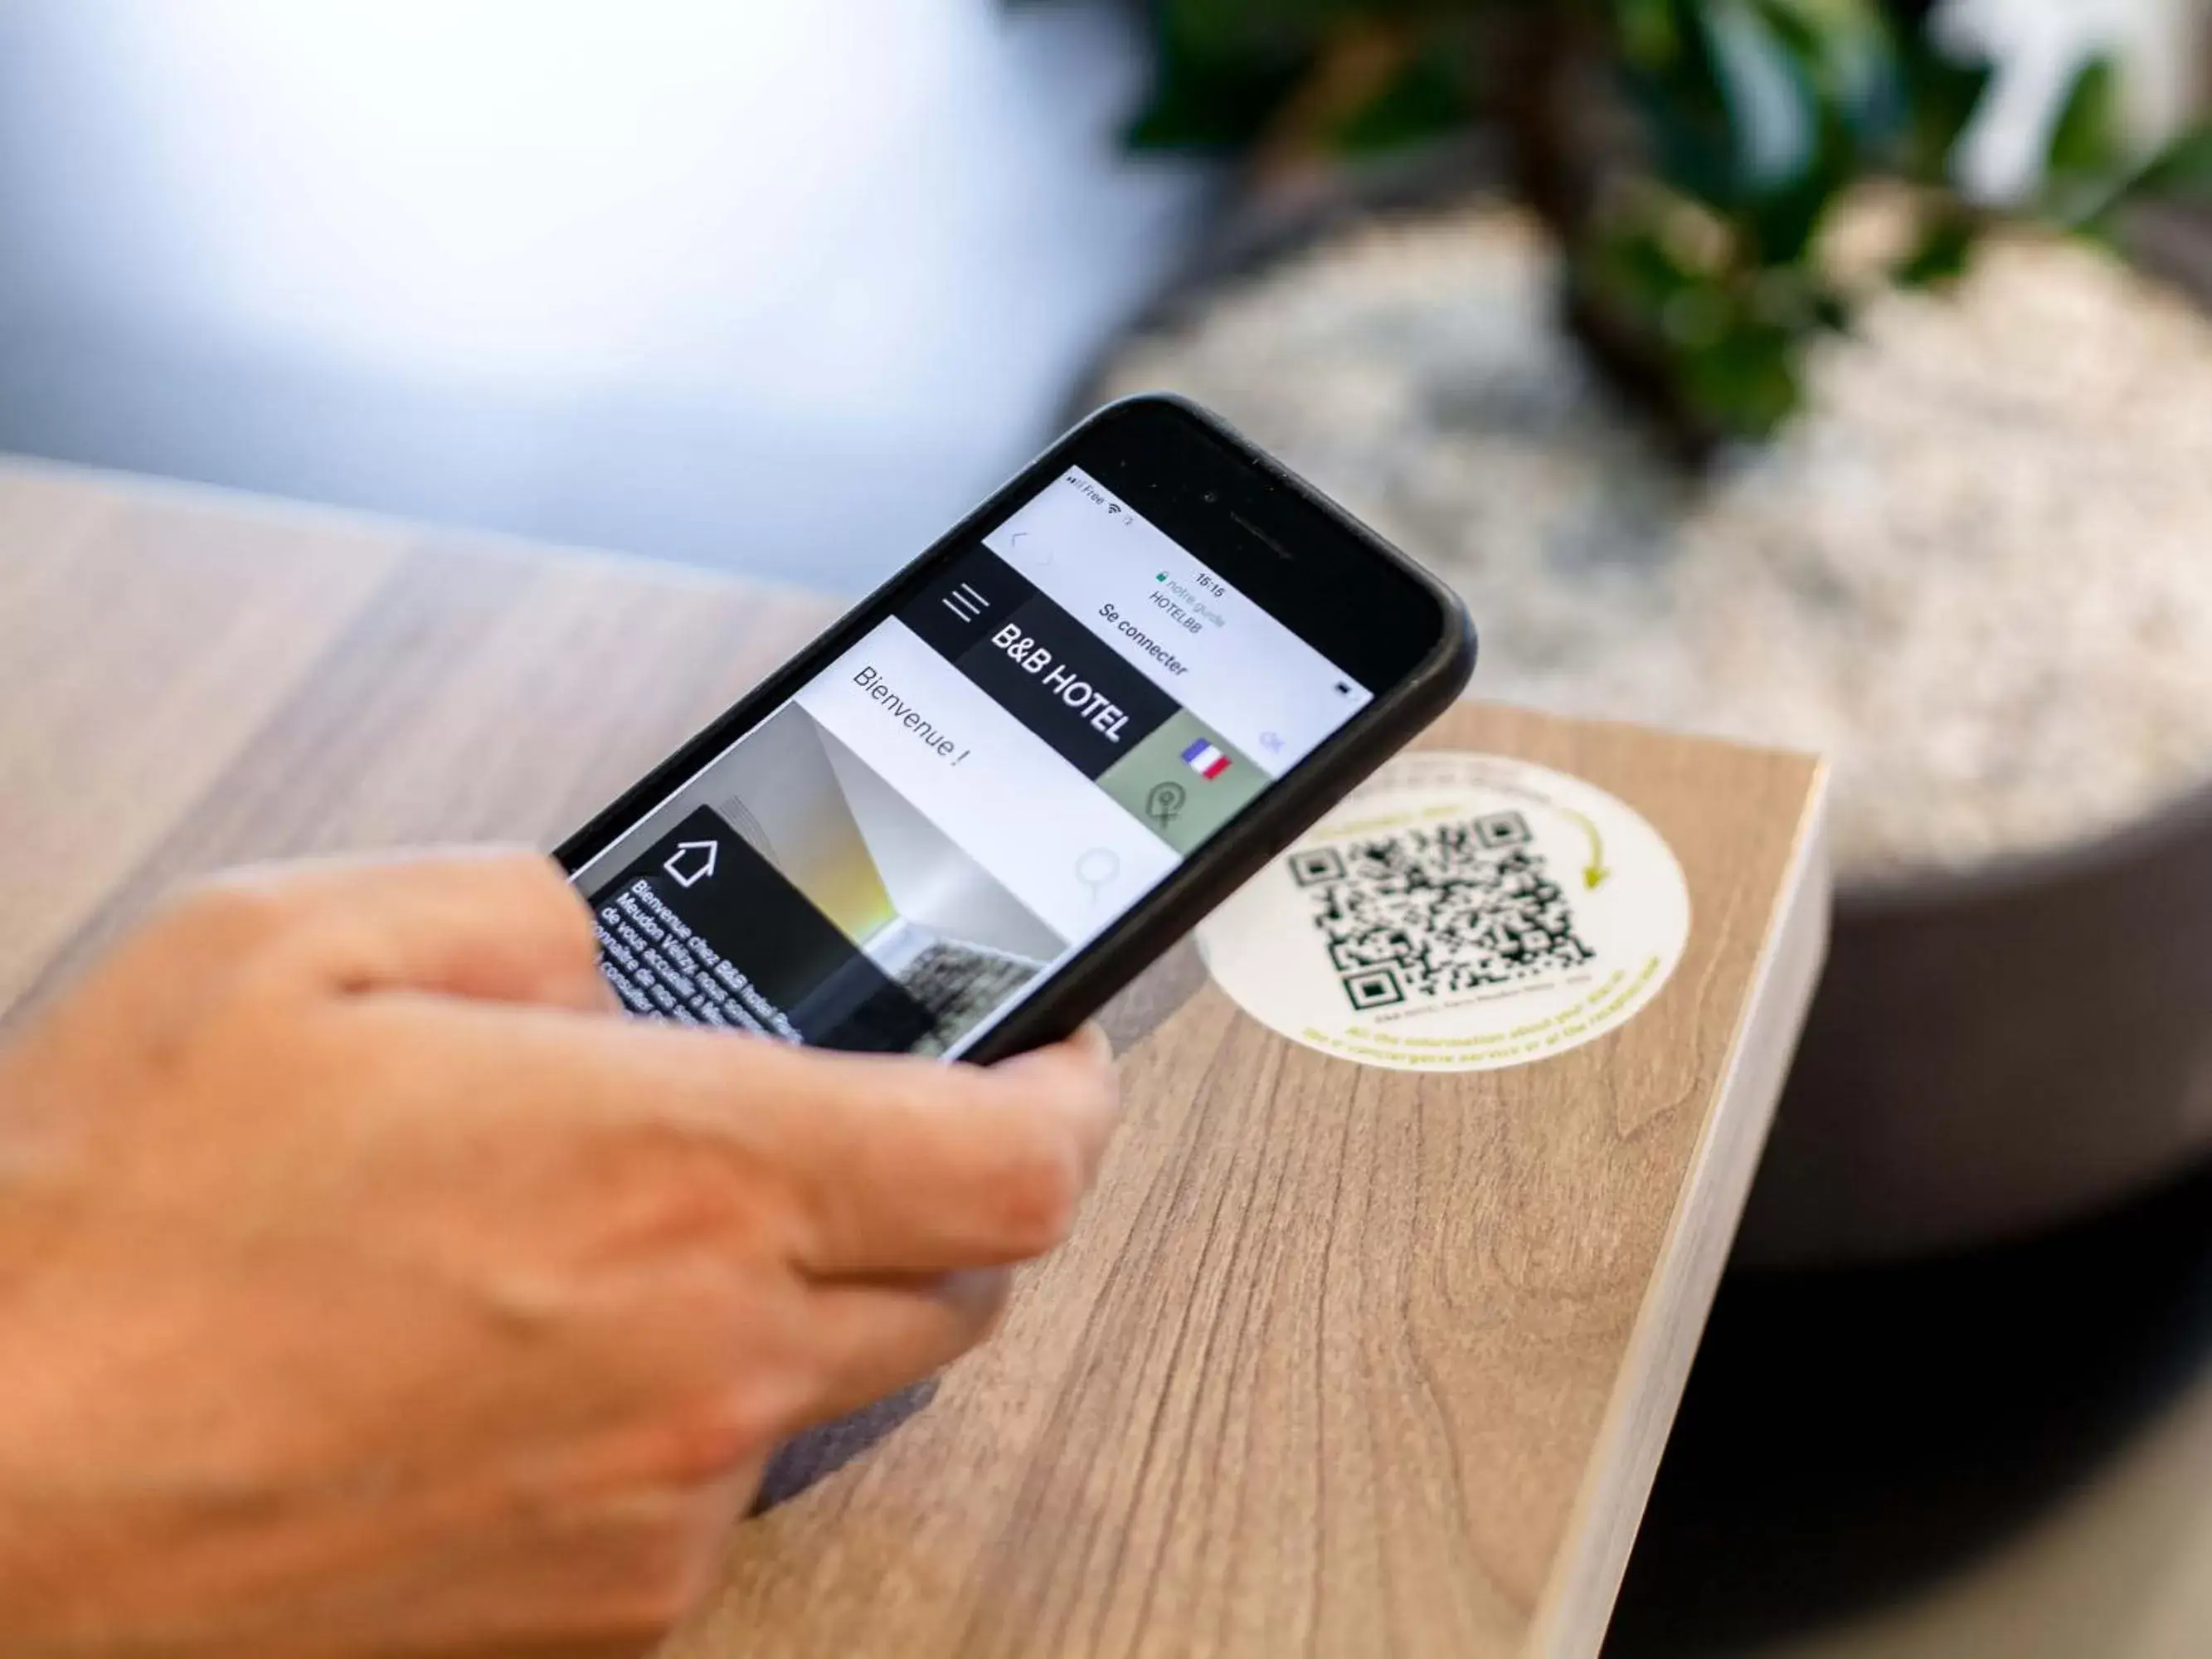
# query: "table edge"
(1575, 1607)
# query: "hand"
(367, 1286)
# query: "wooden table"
(1341, 1360)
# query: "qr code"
(1457, 907)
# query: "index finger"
(875, 1164)
(910, 1165)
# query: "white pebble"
(1976, 573)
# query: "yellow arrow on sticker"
(1595, 874)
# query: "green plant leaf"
(1211, 107)
(1649, 32)
(1944, 249)
(1221, 69)
(1753, 382)
(1851, 53)
(1684, 113)
(1429, 98)
(2087, 140)
(1694, 199)
(1942, 97)
(1773, 111)
(2181, 173)
(2086, 174)
(1784, 224)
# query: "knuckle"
(200, 981)
(232, 914)
(722, 1432)
(210, 951)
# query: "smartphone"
(996, 790)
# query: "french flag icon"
(1203, 758)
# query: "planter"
(2015, 1027)
(1994, 1052)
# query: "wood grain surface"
(1341, 1361)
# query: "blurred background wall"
(783, 287)
(780, 286)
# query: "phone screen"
(1007, 764)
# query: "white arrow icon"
(690, 872)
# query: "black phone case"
(1227, 860)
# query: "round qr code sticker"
(1457, 912)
